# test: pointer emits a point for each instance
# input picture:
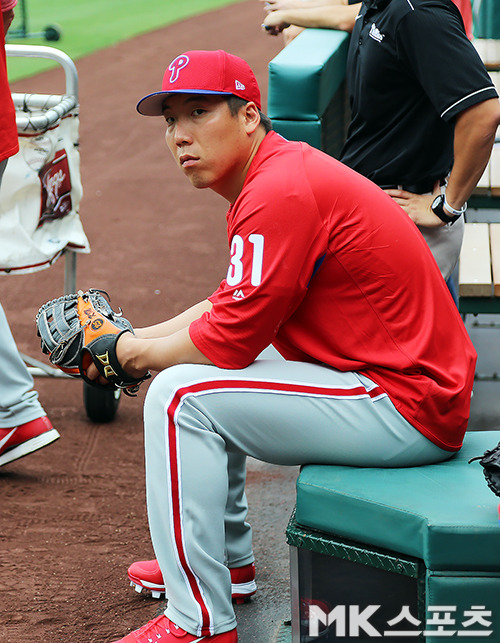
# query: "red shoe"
(146, 574)
(162, 629)
(22, 440)
(243, 583)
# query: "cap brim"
(152, 104)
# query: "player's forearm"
(339, 16)
(171, 326)
(475, 131)
(275, 5)
(138, 355)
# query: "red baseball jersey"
(329, 269)
(9, 143)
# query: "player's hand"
(124, 350)
(418, 206)
(274, 24)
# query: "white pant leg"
(277, 411)
(18, 401)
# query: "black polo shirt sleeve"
(425, 35)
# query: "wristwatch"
(438, 208)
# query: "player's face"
(211, 146)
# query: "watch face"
(437, 201)
(438, 209)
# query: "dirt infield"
(73, 515)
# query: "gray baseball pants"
(445, 243)
(200, 424)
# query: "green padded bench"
(427, 538)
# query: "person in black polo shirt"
(424, 113)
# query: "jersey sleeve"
(273, 253)
(431, 41)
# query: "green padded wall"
(307, 98)
(306, 74)
(327, 134)
(486, 14)
(307, 131)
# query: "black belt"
(416, 188)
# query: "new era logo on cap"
(203, 72)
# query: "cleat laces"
(145, 629)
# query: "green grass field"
(89, 25)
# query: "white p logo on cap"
(176, 65)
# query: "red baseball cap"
(203, 72)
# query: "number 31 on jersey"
(246, 253)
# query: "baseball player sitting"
(377, 369)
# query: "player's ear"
(251, 116)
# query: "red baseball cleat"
(243, 583)
(146, 574)
(23, 439)
(162, 629)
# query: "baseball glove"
(490, 461)
(80, 329)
